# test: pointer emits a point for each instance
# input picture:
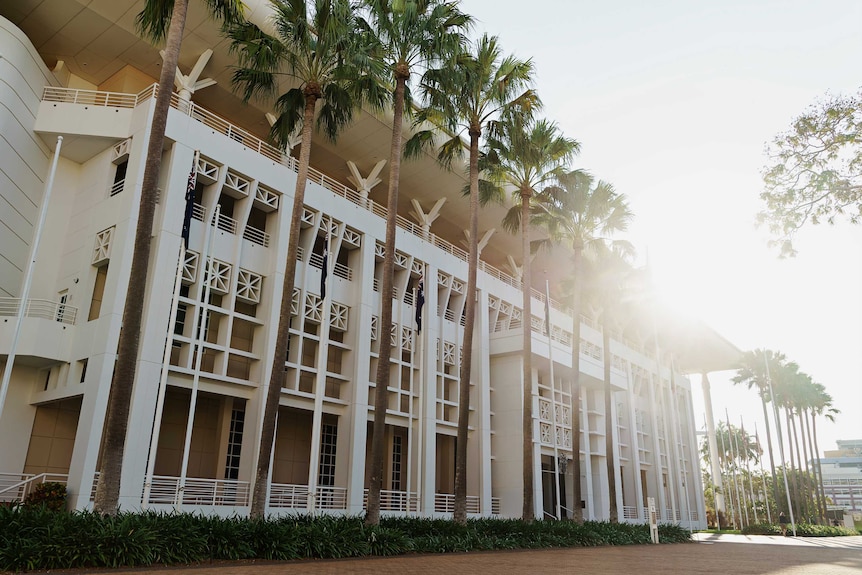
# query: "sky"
(673, 102)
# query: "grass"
(37, 538)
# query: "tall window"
(328, 439)
(98, 293)
(397, 446)
(234, 443)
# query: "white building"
(98, 94)
(842, 475)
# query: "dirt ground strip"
(740, 555)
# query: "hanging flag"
(190, 201)
(420, 303)
(325, 269)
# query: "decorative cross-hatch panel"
(102, 249)
(237, 182)
(219, 276)
(294, 302)
(190, 267)
(121, 149)
(248, 286)
(313, 308)
(267, 197)
(448, 353)
(374, 327)
(338, 315)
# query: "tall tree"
(159, 20)
(822, 405)
(482, 84)
(757, 366)
(814, 170)
(526, 155)
(331, 71)
(584, 216)
(611, 289)
(409, 33)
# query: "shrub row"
(41, 539)
(802, 530)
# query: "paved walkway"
(710, 554)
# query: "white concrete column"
(364, 184)
(482, 376)
(425, 220)
(187, 85)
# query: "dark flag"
(190, 201)
(324, 270)
(420, 303)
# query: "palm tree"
(584, 217)
(159, 20)
(465, 97)
(611, 290)
(409, 33)
(525, 155)
(319, 52)
(757, 366)
(821, 405)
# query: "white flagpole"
(199, 341)
(729, 489)
(320, 380)
(166, 358)
(163, 380)
(732, 441)
(748, 470)
(28, 275)
(415, 341)
(763, 491)
(553, 399)
(420, 452)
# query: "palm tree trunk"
(276, 377)
(528, 513)
(806, 477)
(794, 486)
(381, 394)
(803, 495)
(577, 511)
(806, 435)
(817, 450)
(460, 515)
(609, 422)
(769, 449)
(120, 397)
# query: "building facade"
(842, 475)
(205, 354)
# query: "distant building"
(842, 474)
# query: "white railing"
(117, 187)
(445, 503)
(199, 212)
(227, 223)
(630, 512)
(390, 500)
(254, 143)
(692, 515)
(14, 487)
(41, 308)
(256, 236)
(198, 491)
(495, 505)
(96, 98)
(342, 271)
(330, 497)
(288, 496)
(671, 516)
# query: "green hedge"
(37, 538)
(802, 530)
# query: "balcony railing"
(256, 236)
(445, 503)
(630, 512)
(249, 140)
(14, 487)
(41, 308)
(198, 491)
(390, 500)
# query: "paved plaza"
(724, 554)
